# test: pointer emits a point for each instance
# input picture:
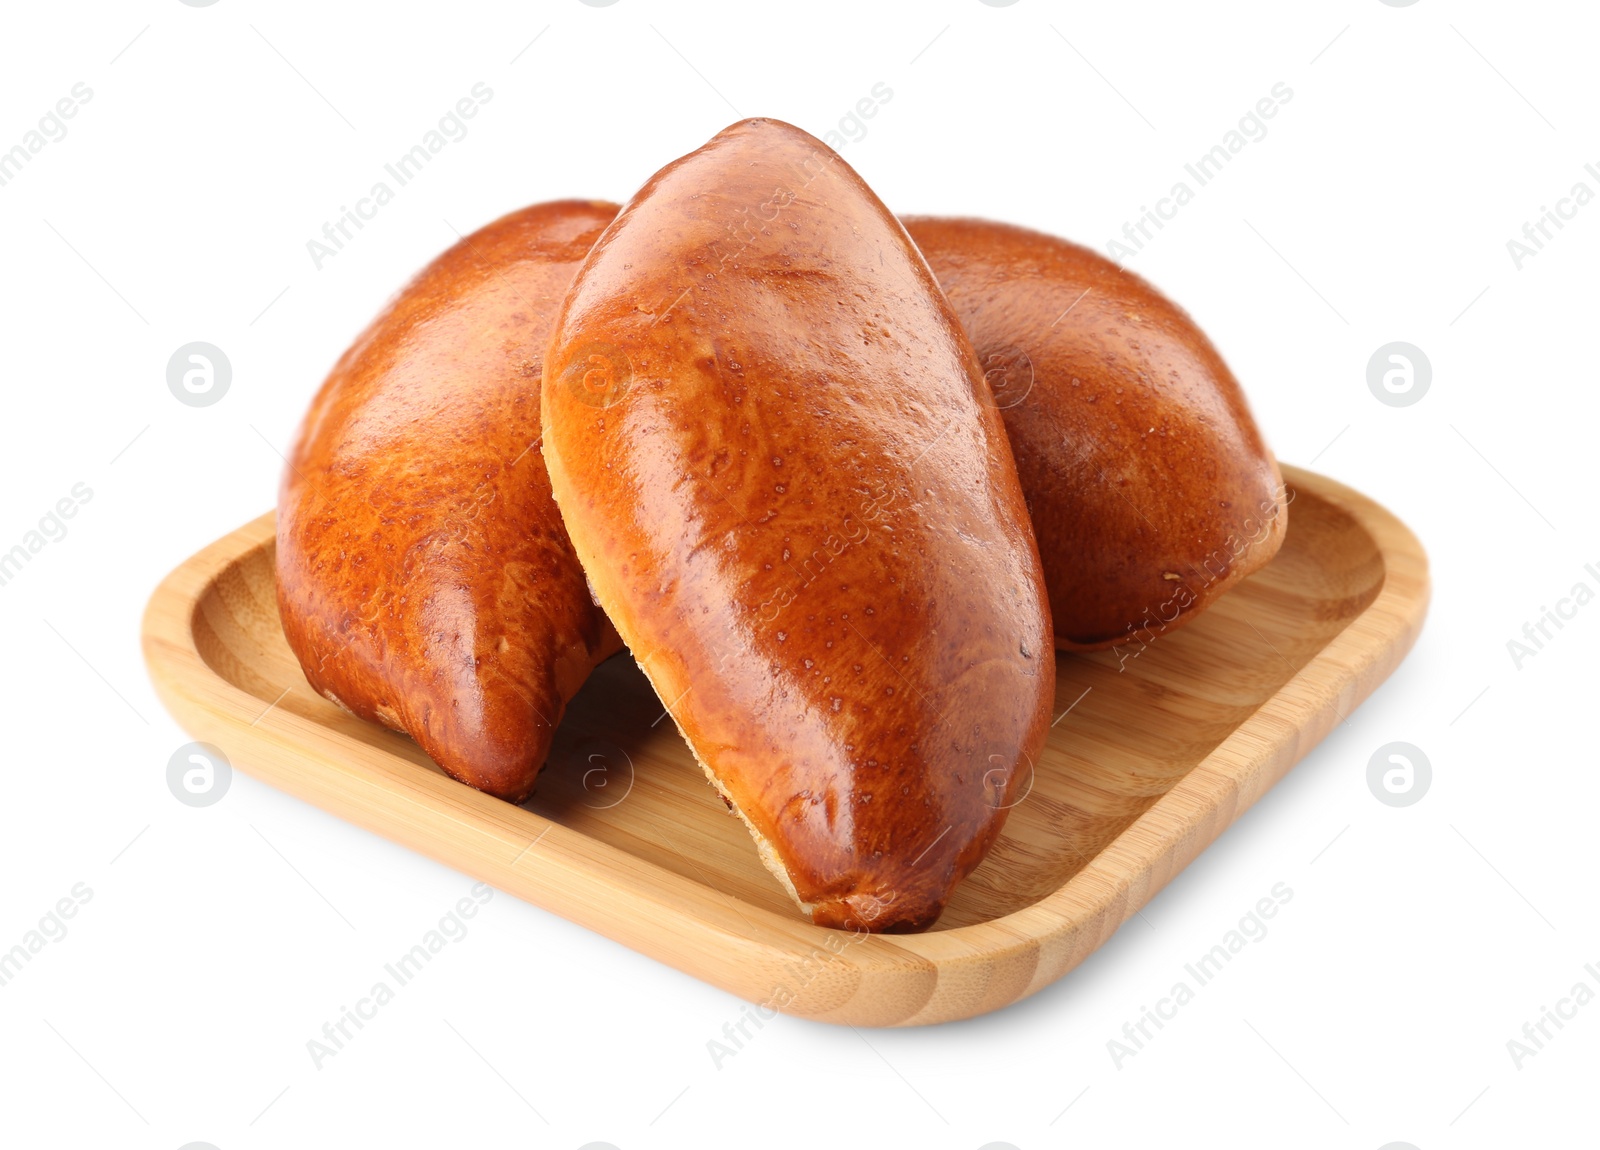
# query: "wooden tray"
(1158, 754)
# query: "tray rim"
(747, 949)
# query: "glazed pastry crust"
(425, 579)
(1150, 488)
(784, 474)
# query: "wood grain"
(1153, 755)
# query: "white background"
(218, 140)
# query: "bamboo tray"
(1158, 754)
